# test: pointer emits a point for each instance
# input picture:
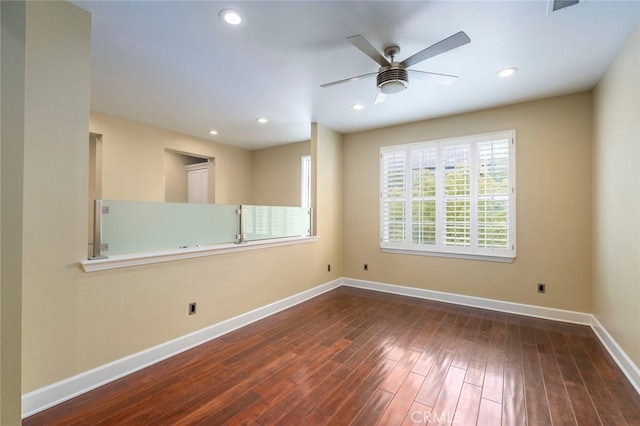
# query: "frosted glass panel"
(135, 227)
(265, 222)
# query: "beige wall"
(326, 194)
(553, 152)
(56, 129)
(133, 159)
(13, 16)
(616, 201)
(276, 174)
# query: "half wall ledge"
(136, 259)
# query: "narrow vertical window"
(305, 181)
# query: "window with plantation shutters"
(453, 197)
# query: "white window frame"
(441, 249)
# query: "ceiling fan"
(393, 77)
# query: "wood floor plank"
(468, 405)
(513, 344)
(471, 328)
(418, 414)
(463, 355)
(514, 411)
(484, 332)
(357, 399)
(494, 376)
(430, 389)
(429, 355)
(559, 404)
(399, 374)
(353, 356)
(477, 365)
(498, 335)
(425, 330)
(536, 397)
(445, 405)
(490, 413)
(373, 409)
(402, 400)
(513, 397)
(454, 331)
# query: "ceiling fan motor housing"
(393, 79)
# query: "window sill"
(482, 257)
(135, 259)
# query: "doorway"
(188, 178)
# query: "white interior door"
(197, 184)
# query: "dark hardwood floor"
(359, 357)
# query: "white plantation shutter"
(454, 197)
(393, 212)
(423, 195)
(494, 188)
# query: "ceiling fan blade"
(346, 80)
(433, 77)
(363, 44)
(380, 97)
(449, 43)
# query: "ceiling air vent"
(556, 5)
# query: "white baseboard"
(476, 302)
(56, 393)
(43, 398)
(620, 357)
(630, 370)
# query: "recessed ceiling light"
(507, 72)
(230, 16)
(213, 132)
(357, 107)
(262, 120)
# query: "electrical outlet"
(541, 287)
(366, 267)
(192, 308)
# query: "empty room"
(320, 212)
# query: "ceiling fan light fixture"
(231, 17)
(393, 79)
(507, 72)
(392, 76)
(394, 86)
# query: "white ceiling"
(176, 65)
